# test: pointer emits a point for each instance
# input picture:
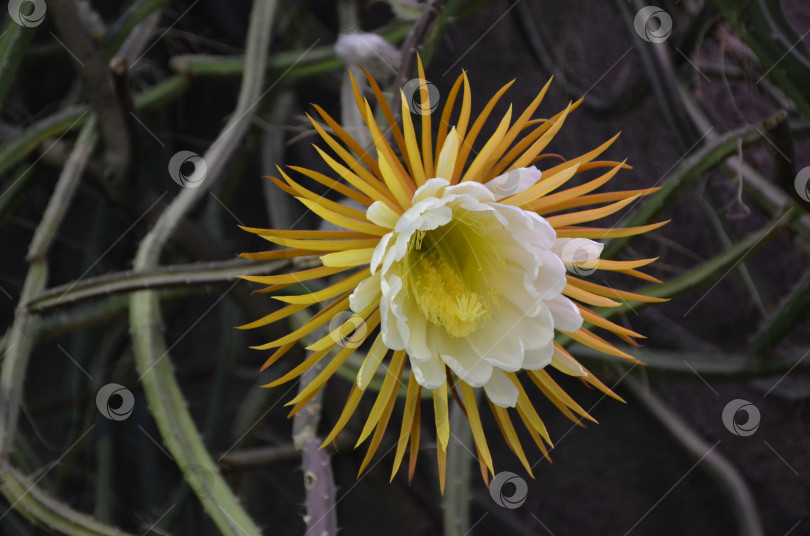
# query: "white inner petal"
(365, 292)
(381, 214)
(514, 181)
(429, 374)
(472, 284)
(501, 390)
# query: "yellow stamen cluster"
(444, 298)
(470, 307)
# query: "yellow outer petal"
(413, 155)
(389, 388)
(346, 138)
(384, 149)
(466, 108)
(524, 404)
(284, 312)
(371, 363)
(411, 404)
(584, 296)
(602, 290)
(323, 245)
(343, 330)
(355, 165)
(332, 184)
(480, 439)
(389, 116)
(543, 186)
(472, 135)
(521, 123)
(447, 110)
(485, 157)
(543, 377)
(375, 192)
(531, 153)
(593, 232)
(378, 433)
(510, 435)
(427, 130)
(589, 215)
(322, 317)
(348, 410)
(336, 362)
(402, 189)
(294, 277)
(570, 193)
(352, 257)
(329, 292)
(446, 165)
(343, 221)
(441, 415)
(598, 343)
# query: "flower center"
(443, 277)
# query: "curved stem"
(163, 277)
(22, 336)
(45, 511)
(456, 511)
(684, 365)
(409, 48)
(166, 401)
(714, 153)
(177, 428)
(732, 482)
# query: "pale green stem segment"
(45, 511)
(709, 457)
(456, 514)
(21, 493)
(178, 275)
(21, 337)
(166, 401)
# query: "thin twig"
(63, 194)
(729, 478)
(765, 192)
(684, 365)
(409, 49)
(164, 277)
(45, 511)
(456, 511)
(718, 149)
(166, 400)
(247, 459)
(111, 112)
(537, 42)
(21, 338)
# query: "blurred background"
(98, 99)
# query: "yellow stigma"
(443, 297)
(469, 307)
